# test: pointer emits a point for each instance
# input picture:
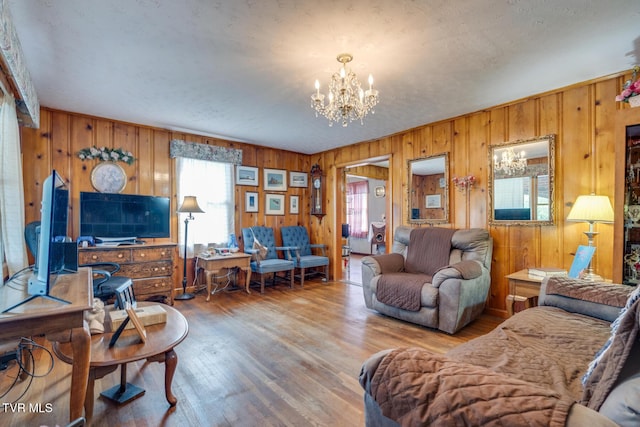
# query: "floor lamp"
(190, 206)
(591, 209)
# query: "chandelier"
(346, 99)
(510, 162)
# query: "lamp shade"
(189, 205)
(591, 208)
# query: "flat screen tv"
(123, 216)
(53, 230)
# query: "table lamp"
(190, 206)
(591, 209)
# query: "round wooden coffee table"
(159, 347)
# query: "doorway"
(365, 202)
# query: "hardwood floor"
(285, 358)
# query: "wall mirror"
(428, 189)
(521, 181)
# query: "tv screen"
(112, 215)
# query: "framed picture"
(275, 204)
(380, 191)
(275, 180)
(250, 201)
(294, 203)
(139, 327)
(433, 201)
(246, 175)
(298, 179)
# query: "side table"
(159, 347)
(213, 264)
(523, 290)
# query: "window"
(357, 213)
(522, 198)
(212, 184)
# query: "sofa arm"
(600, 300)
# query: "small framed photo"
(433, 201)
(380, 191)
(275, 204)
(294, 203)
(250, 201)
(139, 327)
(246, 175)
(442, 182)
(298, 179)
(275, 180)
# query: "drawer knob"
(142, 254)
(163, 253)
(120, 255)
(155, 269)
(94, 256)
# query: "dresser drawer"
(90, 256)
(157, 285)
(152, 254)
(146, 269)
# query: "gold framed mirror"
(521, 182)
(428, 189)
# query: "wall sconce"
(464, 183)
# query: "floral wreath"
(106, 154)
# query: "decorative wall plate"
(108, 177)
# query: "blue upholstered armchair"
(303, 256)
(270, 263)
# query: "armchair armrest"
(321, 246)
(373, 266)
(288, 250)
(387, 263)
(461, 270)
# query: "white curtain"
(212, 185)
(11, 189)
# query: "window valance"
(195, 150)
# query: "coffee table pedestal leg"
(124, 392)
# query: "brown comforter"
(414, 388)
(523, 390)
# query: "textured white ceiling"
(244, 69)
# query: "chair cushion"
(313, 261)
(271, 265)
(297, 236)
(429, 250)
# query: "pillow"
(260, 251)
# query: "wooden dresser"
(150, 266)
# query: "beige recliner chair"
(435, 277)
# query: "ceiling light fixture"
(511, 162)
(346, 99)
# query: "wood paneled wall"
(61, 135)
(582, 116)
